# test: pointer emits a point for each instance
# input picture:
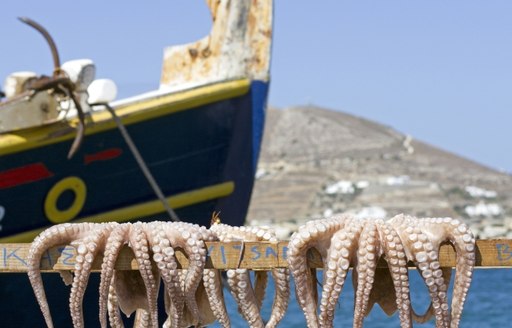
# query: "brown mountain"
(315, 162)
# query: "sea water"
(488, 304)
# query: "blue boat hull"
(206, 153)
(205, 157)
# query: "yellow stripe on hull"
(138, 111)
(141, 210)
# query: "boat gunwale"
(130, 113)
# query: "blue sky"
(438, 70)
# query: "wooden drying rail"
(495, 253)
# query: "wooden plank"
(495, 253)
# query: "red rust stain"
(24, 174)
(103, 155)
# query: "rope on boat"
(140, 161)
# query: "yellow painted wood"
(496, 253)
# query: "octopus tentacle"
(281, 299)
(425, 258)
(404, 224)
(213, 285)
(131, 285)
(206, 312)
(260, 285)
(260, 277)
(429, 313)
(281, 279)
(87, 251)
(464, 272)
(206, 295)
(249, 302)
(238, 281)
(337, 263)
(458, 234)
(138, 241)
(394, 251)
(142, 319)
(189, 238)
(363, 275)
(212, 281)
(437, 273)
(56, 235)
(300, 242)
(163, 255)
(113, 246)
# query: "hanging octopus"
(193, 296)
(343, 241)
(154, 245)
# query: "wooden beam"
(496, 253)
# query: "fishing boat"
(68, 153)
(199, 135)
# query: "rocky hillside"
(316, 162)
